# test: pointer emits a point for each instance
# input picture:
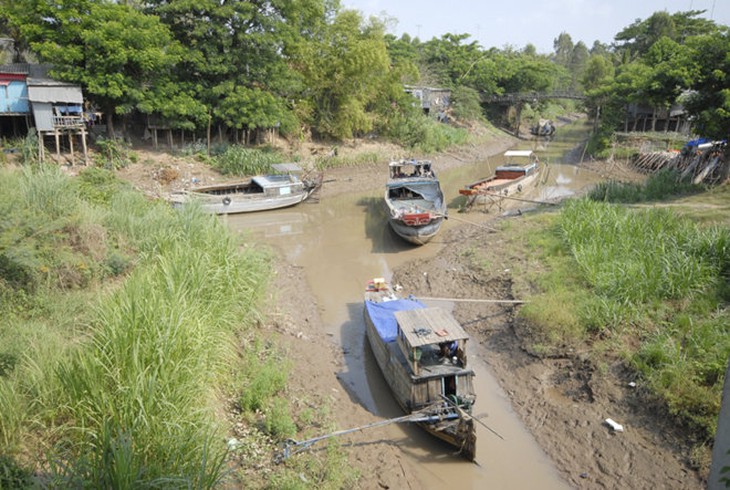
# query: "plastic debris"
(615, 425)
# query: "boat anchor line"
(466, 415)
(291, 447)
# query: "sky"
(515, 23)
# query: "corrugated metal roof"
(54, 93)
(32, 70)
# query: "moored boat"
(519, 171)
(260, 193)
(421, 352)
(414, 201)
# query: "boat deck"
(493, 183)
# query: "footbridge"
(519, 99)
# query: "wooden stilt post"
(71, 145)
(58, 146)
(83, 143)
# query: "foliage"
(426, 135)
(116, 53)
(466, 104)
(238, 160)
(113, 153)
(126, 400)
(29, 149)
(648, 285)
(659, 186)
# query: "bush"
(238, 160)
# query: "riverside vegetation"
(124, 323)
(127, 329)
(647, 285)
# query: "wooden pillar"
(40, 146)
(170, 142)
(154, 136)
(58, 146)
(71, 145)
(83, 143)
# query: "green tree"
(671, 73)
(347, 72)
(119, 56)
(636, 39)
(563, 49)
(709, 97)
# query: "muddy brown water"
(344, 241)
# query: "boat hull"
(484, 191)
(418, 235)
(245, 204)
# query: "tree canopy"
(310, 65)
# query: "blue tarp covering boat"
(383, 315)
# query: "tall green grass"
(117, 381)
(640, 256)
(658, 186)
(648, 286)
(242, 161)
(117, 390)
(663, 280)
(425, 135)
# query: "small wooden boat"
(421, 352)
(414, 201)
(259, 193)
(544, 128)
(520, 170)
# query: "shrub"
(238, 160)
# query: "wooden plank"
(426, 326)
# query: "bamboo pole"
(476, 300)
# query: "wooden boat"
(414, 201)
(410, 343)
(520, 170)
(544, 128)
(260, 193)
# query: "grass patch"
(659, 186)
(117, 383)
(649, 286)
(242, 161)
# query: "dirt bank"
(562, 401)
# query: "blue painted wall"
(14, 98)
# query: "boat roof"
(414, 162)
(272, 180)
(519, 153)
(427, 326)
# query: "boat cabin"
(404, 169)
(423, 335)
(518, 163)
(422, 332)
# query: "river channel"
(343, 241)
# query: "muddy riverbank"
(315, 313)
(563, 402)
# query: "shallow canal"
(343, 241)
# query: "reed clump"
(117, 380)
(649, 285)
